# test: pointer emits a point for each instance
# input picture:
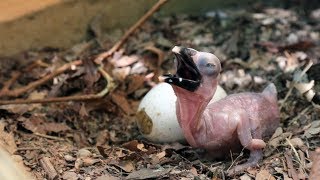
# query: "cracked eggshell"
(156, 117)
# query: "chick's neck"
(190, 107)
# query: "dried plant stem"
(48, 137)
(292, 83)
(15, 75)
(24, 89)
(128, 33)
(110, 86)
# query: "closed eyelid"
(202, 61)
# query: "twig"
(292, 83)
(110, 86)
(128, 33)
(8, 84)
(28, 148)
(19, 91)
(294, 151)
(48, 168)
(235, 160)
(49, 137)
(15, 75)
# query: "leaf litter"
(100, 140)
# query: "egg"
(156, 117)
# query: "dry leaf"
(37, 124)
(122, 102)
(245, 177)
(193, 170)
(7, 139)
(138, 68)
(124, 61)
(161, 154)
(135, 82)
(296, 142)
(121, 73)
(127, 166)
(313, 130)
(135, 146)
(148, 173)
(107, 177)
(264, 175)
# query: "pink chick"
(235, 122)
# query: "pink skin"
(237, 121)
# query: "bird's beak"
(187, 75)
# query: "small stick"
(128, 33)
(292, 83)
(110, 86)
(49, 137)
(235, 160)
(15, 76)
(19, 91)
(8, 84)
(28, 148)
(48, 168)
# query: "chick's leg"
(252, 142)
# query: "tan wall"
(29, 24)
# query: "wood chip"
(47, 166)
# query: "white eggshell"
(160, 106)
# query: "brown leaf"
(135, 82)
(161, 154)
(89, 161)
(121, 73)
(69, 175)
(245, 177)
(291, 170)
(193, 170)
(125, 61)
(107, 177)
(315, 170)
(121, 101)
(175, 146)
(313, 130)
(296, 142)
(36, 124)
(92, 74)
(127, 166)
(148, 173)
(102, 137)
(7, 139)
(264, 175)
(132, 145)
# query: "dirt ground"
(99, 139)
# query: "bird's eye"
(209, 65)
